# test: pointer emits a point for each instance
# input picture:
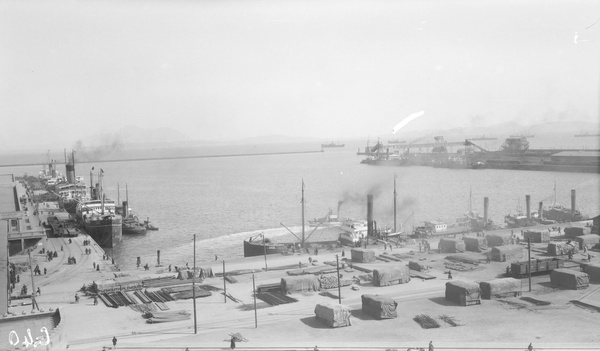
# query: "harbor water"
(224, 200)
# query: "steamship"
(74, 190)
(99, 217)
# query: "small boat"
(259, 245)
(149, 226)
(132, 226)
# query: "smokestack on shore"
(369, 215)
(486, 205)
(528, 205)
(540, 211)
(573, 200)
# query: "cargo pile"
(330, 281)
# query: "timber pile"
(426, 322)
(449, 320)
(331, 282)
(275, 298)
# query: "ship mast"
(302, 201)
(395, 194)
(101, 189)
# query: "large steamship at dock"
(99, 217)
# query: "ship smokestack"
(369, 215)
(486, 205)
(540, 211)
(125, 209)
(70, 174)
(528, 205)
(573, 200)
(338, 209)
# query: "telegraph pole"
(194, 287)
(255, 315)
(529, 261)
(337, 264)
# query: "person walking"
(449, 274)
(114, 341)
(232, 344)
(431, 346)
(530, 347)
(76, 298)
(38, 292)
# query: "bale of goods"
(330, 281)
(333, 315)
(362, 255)
(589, 240)
(569, 279)
(300, 283)
(593, 271)
(537, 236)
(417, 266)
(506, 253)
(389, 276)
(379, 307)
(463, 293)
(474, 243)
(448, 245)
(559, 248)
(577, 231)
(494, 240)
(500, 288)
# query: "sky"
(326, 69)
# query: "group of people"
(51, 254)
(88, 251)
(72, 260)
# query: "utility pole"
(254, 291)
(194, 287)
(34, 304)
(529, 261)
(302, 213)
(395, 194)
(224, 283)
(337, 264)
(265, 251)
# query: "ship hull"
(69, 205)
(106, 232)
(258, 249)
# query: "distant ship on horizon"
(522, 136)
(586, 134)
(332, 144)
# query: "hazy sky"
(327, 69)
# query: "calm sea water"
(224, 200)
